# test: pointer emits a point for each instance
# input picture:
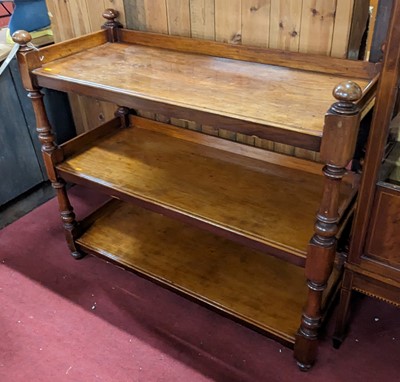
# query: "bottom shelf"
(265, 292)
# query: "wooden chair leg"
(343, 310)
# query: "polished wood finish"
(229, 146)
(341, 125)
(382, 287)
(294, 60)
(111, 24)
(30, 59)
(254, 94)
(277, 24)
(385, 101)
(231, 278)
(203, 265)
(78, 143)
(75, 18)
(383, 243)
(50, 151)
(264, 201)
(160, 168)
(373, 265)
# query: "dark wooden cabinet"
(21, 162)
(373, 264)
(19, 166)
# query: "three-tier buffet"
(248, 232)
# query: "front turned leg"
(51, 153)
(320, 258)
(51, 156)
(68, 217)
(339, 139)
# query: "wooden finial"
(23, 38)
(346, 93)
(110, 15)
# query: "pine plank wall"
(327, 27)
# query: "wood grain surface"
(319, 26)
(73, 18)
(231, 192)
(285, 25)
(227, 276)
(383, 241)
(279, 24)
(276, 96)
(318, 20)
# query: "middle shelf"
(252, 196)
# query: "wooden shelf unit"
(202, 265)
(231, 225)
(373, 262)
(159, 167)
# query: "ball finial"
(21, 37)
(110, 14)
(347, 91)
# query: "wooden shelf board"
(218, 190)
(263, 291)
(252, 92)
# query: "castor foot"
(303, 366)
(337, 342)
(77, 255)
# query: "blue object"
(29, 15)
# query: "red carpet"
(82, 321)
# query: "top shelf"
(284, 104)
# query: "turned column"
(50, 151)
(111, 24)
(123, 114)
(340, 134)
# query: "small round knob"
(21, 37)
(347, 91)
(110, 14)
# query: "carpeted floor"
(82, 321)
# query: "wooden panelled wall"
(73, 18)
(310, 26)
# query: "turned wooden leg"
(320, 259)
(51, 153)
(67, 217)
(343, 310)
(51, 156)
(337, 148)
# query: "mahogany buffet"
(248, 232)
